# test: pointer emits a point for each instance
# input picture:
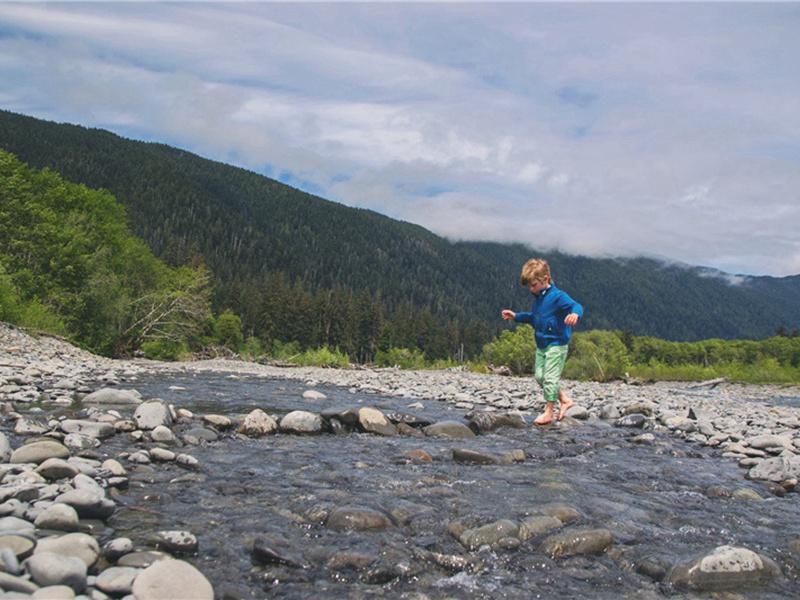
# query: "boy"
(553, 315)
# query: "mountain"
(248, 228)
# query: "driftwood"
(712, 383)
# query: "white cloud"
(661, 129)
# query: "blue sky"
(669, 130)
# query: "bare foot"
(543, 419)
(564, 406)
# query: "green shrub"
(597, 355)
(164, 350)
(401, 357)
(514, 349)
(323, 357)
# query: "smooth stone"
(175, 541)
(5, 448)
(21, 546)
(113, 396)
(49, 568)
(117, 548)
(78, 545)
(38, 452)
(374, 421)
(151, 414)
(580, 541)
(257, 424)
(54, 469)
(489, 534)
(54, 592)
(463, 455)
(162, 435)
(12, 583)
(89, 504)
(301, 421)
(358, 518)
(314, 395)
(93, 429)
(220, 422)
(117, 581)
(537, 525)
(449, 429)
(60, 517)
(142, 559)
(725, 568)
(172, 579)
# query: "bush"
(514, 349)
(597, 355)
(401, 357)
(164, 350)
(323, 357)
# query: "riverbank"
(754, 427)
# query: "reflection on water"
(663, 501)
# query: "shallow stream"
(664, 501)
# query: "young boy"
(553, 315)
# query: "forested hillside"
(291, 264)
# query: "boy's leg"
(565, 403)
(538, 374)
(547, 370)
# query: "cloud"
(658, 129)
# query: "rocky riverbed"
(77, 436)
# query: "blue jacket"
(547, 315)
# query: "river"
(663, 499)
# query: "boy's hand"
(509, 315)
(571, 320)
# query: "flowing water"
(664, 501)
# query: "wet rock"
(637, 421)
(314, 395)
(374, 421)
(90, 504)
(172, 578)
(358, 518)
(489, 534)
(151, 414)
(727, 567)
(482, 421)
(5, 448)
(300, 422)
(219, 422)
(449, 429)
(538, 525)
(175, 541)
(463, 455)
(264, 552)
(578, 541)
(257, 424)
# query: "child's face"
(537, 286)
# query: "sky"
(658, 129)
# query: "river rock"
(117, 581)
(38, 452)
(482, 421)
(777, 469)
(20, 545)
(151, 414)
(449, 429)
(465, 455)
(219, 422)
(257, 424)
(727, 567)
(89, 504)
(5, 448)
(636, 420)
(54, 469)
(489, 534)
(172, 578)
(301, 421)
(113, 396)
(578, 541)
(79, 545)
(175, 541)
(359, 518)
(48, 568)
(372, 420)
(163, 435)
(314, 395)
(60, 517)
(537, 525)
(93, 429)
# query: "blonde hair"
(535, 270)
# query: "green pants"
(547, 370)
